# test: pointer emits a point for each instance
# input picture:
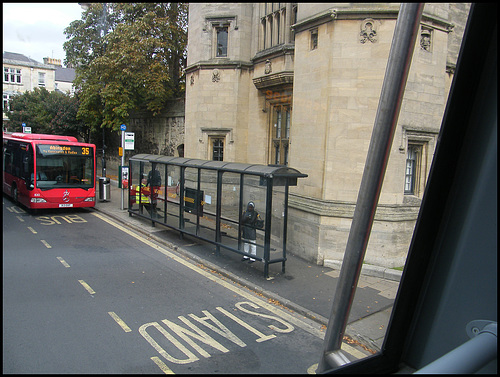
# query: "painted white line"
(120, 322)
(32, 230)
(87, 287)
(46, 244)
(64, 263)
(20, 219)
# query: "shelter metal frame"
(192, 199)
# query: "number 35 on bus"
(48, 171)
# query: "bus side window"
(27, 170)
(7, 160)
(17, 164)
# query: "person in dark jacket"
(154, 183)
(251, 221)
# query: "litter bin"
(104, 189)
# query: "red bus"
(48, 171)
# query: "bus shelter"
(207, 199)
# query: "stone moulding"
(272, 80)
(332, 208)
(360, 13)
(219, 64)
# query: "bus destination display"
(68, 150)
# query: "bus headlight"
(90, 199)
(38, 200)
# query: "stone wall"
(161, 134)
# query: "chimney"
(52, 61)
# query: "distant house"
(22, 74)
(64, 76)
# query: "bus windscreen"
(64, 166)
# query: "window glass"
(280, 133)
(222, 33)
(218, 149)
(41, 79)
(314, 39)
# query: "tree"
(47, 112)
(127, 57)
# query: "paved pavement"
(305, 287)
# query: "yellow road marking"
(32, 230)
(120, 321)
(46, 244)
(162, 365)
(87, 287)
(20, 219)
(312, 369)
(288, 317)
(311, 329)
(63, 262)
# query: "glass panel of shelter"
(254, 191)
(173, 183)
(190, 218)
(277, 242)
(230, 209)
(207, 203)
(135, 180)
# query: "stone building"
(21, 74)
(298, 84)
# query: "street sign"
(129, 141)
(27, 130)
(123, 127)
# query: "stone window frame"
(280, 142)
(314, 39)
(423, 142)
(210, 134)
(212, 24)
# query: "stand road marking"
(308, 327)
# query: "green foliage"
(47, 112)
(128, 57)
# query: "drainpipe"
(396, 74)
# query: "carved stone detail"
(268, 68)
(215, 75)
(425, 39)
(368, 31)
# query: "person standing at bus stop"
(154, 182)
(251, 221)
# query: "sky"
(37, 29)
